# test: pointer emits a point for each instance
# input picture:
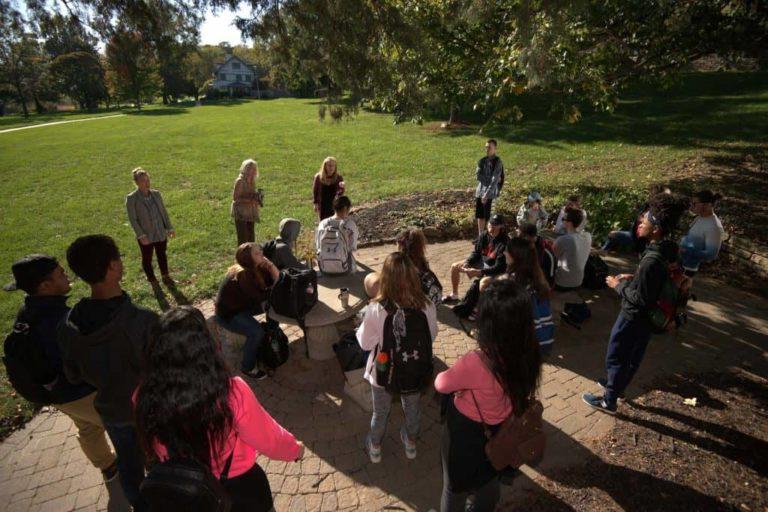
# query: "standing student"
(572, 250)
(490, 180)
(246, 202)
(336, 239)
(189, 405)
(639, 294)
(149, 220)
(705, 236)
(45, 306)
(531, 211)
(488, 384)
(572, 202)
(487, 258)
(241, 296)
(399, 326)
(102, 342)
(326, 187)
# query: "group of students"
(159, 388)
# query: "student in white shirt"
(573, 202)
(705, 236)
(572, 250)
(342, 221)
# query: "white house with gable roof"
(236, 77)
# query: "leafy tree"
(199, 67)
(133, 66)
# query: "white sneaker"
(410, 446)
(374, 452)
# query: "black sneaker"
(598, 403)
(603, 383)
(257, 375)
(110, 473)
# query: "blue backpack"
(542, 319)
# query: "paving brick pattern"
(42, 467)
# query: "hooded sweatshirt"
(640, 294)
(102, 343)
(283, 256)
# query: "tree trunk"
(39, 108)
(453, 115)
(22, 98)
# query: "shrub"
(337, 113)
(321, 112)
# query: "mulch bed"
(666, 455)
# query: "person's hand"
(612, 281)
(144, 240)
(317, 208)
(473, 272)
(172, 234)
(484, 200)
(302, 448)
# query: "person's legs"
(146, 261)
(481, 216)
(245, 324)
(162, 258)
(618, 240)
(130, 462)
(241, 228)
(250, 492)
(617, 358)
(642, 334)
(251, 231)
(412, 408)
(456, 277)
(382, 404)
(451, 501)
(487, 496)
(90, 431)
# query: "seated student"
(189, 404)
(102, 342)
(705, 236)
(46, 284)
(412, 242)
(336, 240)
(241, 295)
(630, 239)
(572, 250)
(487, 259)
(573, 202)
(280, 250)
(545, 251)
(532, 211)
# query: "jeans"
(130, 462)
(382, 404)
(486, 497)
(626, 348)
(146, 258)
(620, 240)
(244, 323)
(246, 231)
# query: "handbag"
(520, 439)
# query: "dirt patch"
(666, 455)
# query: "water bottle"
(382, 368)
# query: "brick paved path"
(42, 468)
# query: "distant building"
(236, 77)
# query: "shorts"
(483, 211)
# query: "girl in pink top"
(189, 406)
(488, 384)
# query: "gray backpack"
(333, 256)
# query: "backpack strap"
(486, 430)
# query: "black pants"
(146, 258)
(250, 491)
(246, 231)
(483, 211)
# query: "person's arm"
(457, 377)
(495, 178)
(237, 190)
(130, 206)
(371, 331)
(645, 287)
(316, 191)
(352, 233)
(521, 216)
(339, 187)
(559, 222)
(319, 235)
(284, 257)
(164, 213)
(69, 364)
(478, 169)
(257, 428)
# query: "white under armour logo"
(414, 355)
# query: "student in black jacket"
(639, 293)
(487, 259)
(102, 342)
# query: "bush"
(337, 113)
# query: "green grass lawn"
(63, 181)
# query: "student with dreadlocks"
(639, 294)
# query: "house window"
(223, 76)
(235, 65)
(247, 78)
(239, 78)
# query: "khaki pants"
(90, 430)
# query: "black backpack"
(28, 368)
(431, 286)
(294, 293)
(348, 352)
(410, 357)
(185, 484)
(273, 351)
(595, 272)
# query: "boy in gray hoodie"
(280, 250)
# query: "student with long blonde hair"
(327, 186)
(246, 202)
(398, 329)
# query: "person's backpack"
(547, 259)
(184, 484)
(542, 319)
(501, 178)
(268, 248)
(349, 353)
(595, 273)
(669, 312)
(466, 306)
(407, 341)
(431, 286)
(294, 293)
(333, 255)
(274, 350)
(29, 371)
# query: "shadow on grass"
(155, 112)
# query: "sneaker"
(257, 375)
(598, 403)
(374, 452)
(410, 446)
(603, 383)
(450, 298)
(110, 473)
